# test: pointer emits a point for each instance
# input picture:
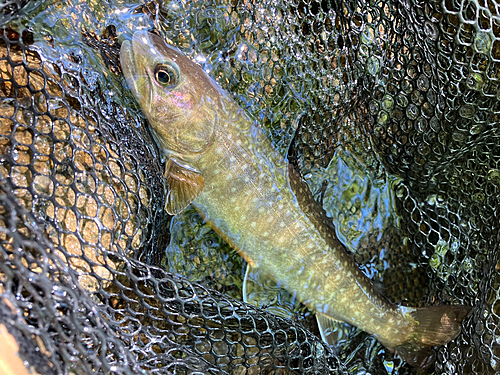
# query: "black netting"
(389, 109)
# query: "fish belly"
(248, 200)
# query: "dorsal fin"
(185, 184)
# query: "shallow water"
(360, 201)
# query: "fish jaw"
(182, 115)
(137, 60)
(137, 79)
(244, 201)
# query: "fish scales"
(267, 224)
(220, 161)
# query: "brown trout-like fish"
(220, 161)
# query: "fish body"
(221, 161)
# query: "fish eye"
(166, 75)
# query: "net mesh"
(389, 109)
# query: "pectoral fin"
(185, 184)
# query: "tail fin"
(436, 326)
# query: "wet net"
(389, 110)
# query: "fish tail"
(436, 325)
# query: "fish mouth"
(135, 62)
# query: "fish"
(219, 160)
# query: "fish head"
(178, 98)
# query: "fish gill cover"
(389, 109)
